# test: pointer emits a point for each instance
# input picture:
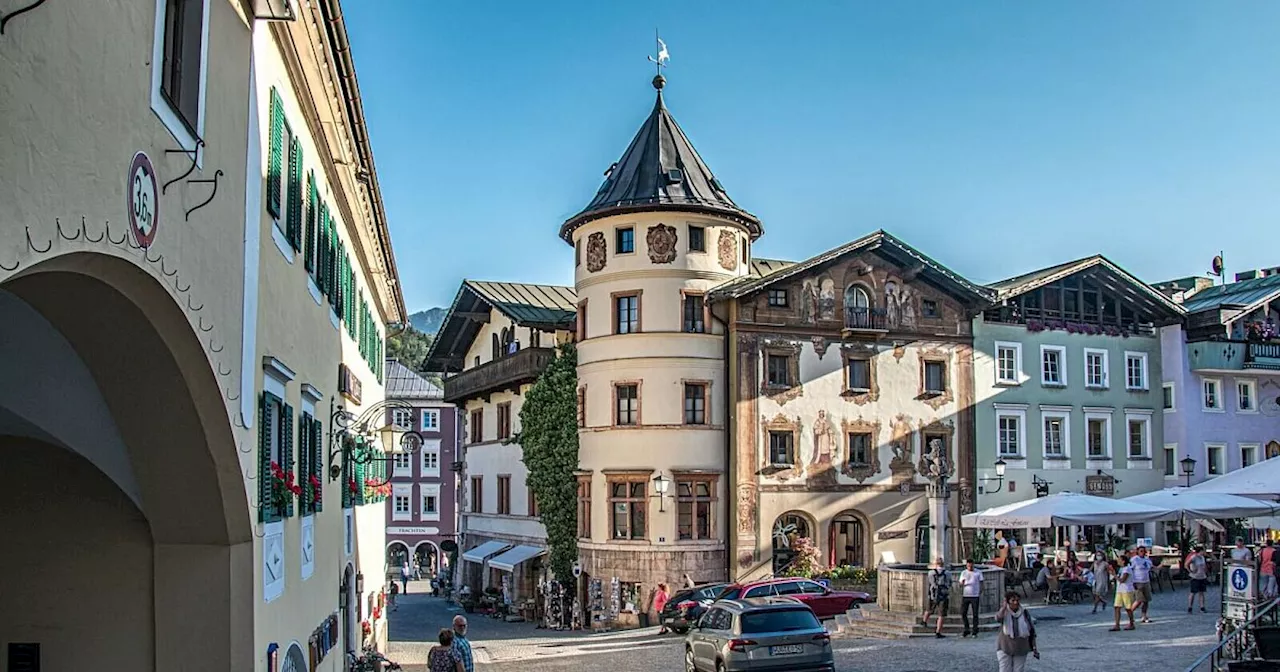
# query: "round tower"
(660, 233)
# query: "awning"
(488, 548)
(508, 560)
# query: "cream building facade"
(148, 309)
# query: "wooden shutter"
(359, 498)
(317, 459)
(288, 456)
(309, 255)
(265, 505)
(304, 460)
(274, 155)
(293, 224)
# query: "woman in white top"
(1125, 597)
(1102, 573)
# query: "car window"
(759, 591)
(718, 619)
(710, 593)
(812, 588)
(787, 588)
(730, 593)
(779, 620)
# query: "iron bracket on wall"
(217, 174)
(5, 19)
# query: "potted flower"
(315, 489)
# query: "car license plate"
(786, 649)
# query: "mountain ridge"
(428, 321)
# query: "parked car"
(824, 602)
(687, 606)
(758, 634)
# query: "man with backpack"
(939, 584)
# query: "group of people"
(453, 653)
(1016, 638)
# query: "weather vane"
(660, 61)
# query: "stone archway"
(849, 540)
(789, 527)
(428, 555)
(397, 554)
(113, 425)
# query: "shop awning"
(508, 560)
(488, 548)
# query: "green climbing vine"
(549, 440)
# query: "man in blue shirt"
(462, 647)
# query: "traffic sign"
(1241, 584)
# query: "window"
(1097, 437)
(626, 314)
(935, 377)
(430, 502)
(695, 403)
(626, 240)
(697, 239)
(401, 504)
(1214, 453)
(778, 298)
(1008, 363)
(1167, 398)
(1248, 454)
(531, 505)
(779, 370)
(695, 506)
(1170, 461)
(1212, 397)
(402, 418)
(403, 464)
(859, 448)
(584, 507)
(859, 372)
(504, 421)
(577, 253)
(1056, 440)
(1246, 396)
(504, 495)
(627, 411)
(629, 500)
(695, 316)
(1135, 370)
(477, 425)
(477, 494)
(929, 308)
(1139, 437)
(781, 447)
(1053, 369)
(431, 458)
(582, 320)
(746, 246)
(430, 420)
(582, 406)
(180, 52)
(1095, 368)
(1009, 433)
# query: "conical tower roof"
(661, 171)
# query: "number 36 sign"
(144, 206)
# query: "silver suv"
(758, 634)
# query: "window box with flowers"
(283, 489)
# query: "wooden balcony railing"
(865, 319)
(510, 371)
(1262, 356)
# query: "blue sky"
(997, 137)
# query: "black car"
(686, 606)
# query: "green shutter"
(274, 156)
(264, 458)
(293, 226)
(309, 257)
(322, 250)
(317, 459)
(350, 305)
(288, 457)
(359, 498)
(304, 461)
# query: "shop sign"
(413, 530)
(886, 535)
(348, 385)
(1103, 485)
(144, 204)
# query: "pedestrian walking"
(1197, 567)
(391, 596)
(1102, 573)
(1142, 568)
(971, 593)
(660, 599)
(404, 578)
(1017, 637)
(939, 584)
(1267, 569)
(1126, 599)
(461, 645)
(443, 658)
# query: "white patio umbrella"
(1066, 508)
(1193, 504)
(1256, 480)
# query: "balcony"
(865, 321)
(506, 373)
(1216, 356)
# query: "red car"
(824, 602)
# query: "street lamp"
(661, 484)
(1188, 467)
(999, 479)
(347, 429)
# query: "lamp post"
(369, 426)
(999, 479)
(661, 484)
(1188, 468)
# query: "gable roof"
(877, 240)
(660, 171)
(544, 307)
(761, 267)
(1107, 272)
(1246, 293)
(404, 383)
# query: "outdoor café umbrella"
(1256, 480)
(1066, 508)
(1192, 504)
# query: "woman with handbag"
(1017, 636)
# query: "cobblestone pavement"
(1071, 640)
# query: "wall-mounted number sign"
(144, 202)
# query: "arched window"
(848, 541)
(786, 530)
(856, 298)
(497, 347)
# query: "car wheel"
(680, 629)
(689, 665)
